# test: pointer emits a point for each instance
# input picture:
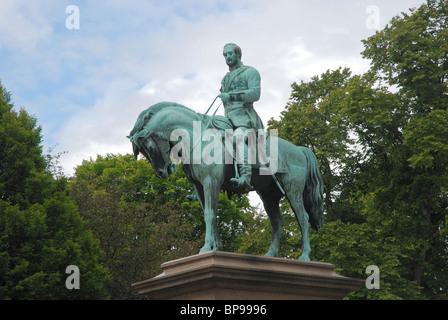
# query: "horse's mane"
(138, 131)
(147, 114)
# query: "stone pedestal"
(219, 275)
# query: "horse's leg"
(277, 222)
(271, 201)
(210, 201)
(296, 201)
(294, 185)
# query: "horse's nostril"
(160, 172)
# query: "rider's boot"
(242, 184)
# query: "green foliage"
(21, 157)
(384, 157)
(411, 54)
(257, 236)
(38, 244)
(41, 232)
(311, 120)
(426, 136)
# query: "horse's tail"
(313, 192)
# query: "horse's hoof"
(271, 254)
(205, 249)
(304, 258)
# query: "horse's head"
(151, 140)
(156, 149)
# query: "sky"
(86, 69)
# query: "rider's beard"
(233, 64)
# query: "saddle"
(222, 123)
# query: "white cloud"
(22, 24)
(88, 86)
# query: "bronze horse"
(301, 182)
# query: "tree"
(142, 220)
(41, 232)
(384, 157)
(21, 159)
(311, 119)
(340, 117)
(411, 54)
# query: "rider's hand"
(225, 97)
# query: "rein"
(213, 116)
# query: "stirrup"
(192, 197)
